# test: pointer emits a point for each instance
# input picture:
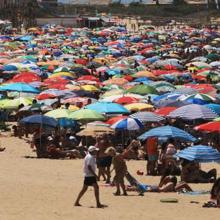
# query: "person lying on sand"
(169, 184)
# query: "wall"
(58, 21)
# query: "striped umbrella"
(147, 117)
(200, 153)
(193, 112)
(168, 132)
(130, 124)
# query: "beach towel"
(196, 193)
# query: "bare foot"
(101, 206)
(77, 204)
(117, 194)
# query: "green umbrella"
(142, 90)
(59, 113)
(13, 104)
(87, 115)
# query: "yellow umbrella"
(13, 104)
(100, 60)
(90, 88)
(138, 106)
(61, 74)
(95, 130)
(113, 92)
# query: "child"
(120, 168)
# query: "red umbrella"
(165, 110)
(55, 80)
(115, 119)
(213, 126)
(81, 61)
(45, 96)
(202, 88)
(126, 100)
(128, 77)
(59, 86)
(88, 77)
(26, 77)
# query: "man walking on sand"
(90, 177)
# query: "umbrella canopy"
(213, 126)
(115, 119)
(108, 108)
(142, 90)
(14, 103)
(95, 130)
(193, 112)
(164, 111)
(87, 115)
(214, 107)
(138, 106)
(40, 119)
(130, 124)
(168, 132)
(59, 113)
(147, 117)
(19, 87)
(200, 154)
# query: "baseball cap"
(92, 148)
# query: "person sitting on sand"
(191, 173)
(120, 168)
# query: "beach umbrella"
(115, 119)
(214, 107)
(200, 154)
(19, 87)
(170, 103)
(59, 113)
(126, 100)
(87, 115)
(14, 103)
(67, 123)
(168, 132)
(95, 130)
(142, 90)
(213, 126)
(193, 112)
(138, 106)
(200, 96)
(164, 111)
(130, 124)
(26, 77)
(147, 117)
(144, 74)
(40, 119)
(107, 108)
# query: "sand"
(46, 189)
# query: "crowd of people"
(94, 83)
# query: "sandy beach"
(45, 189)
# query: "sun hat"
(92, 149)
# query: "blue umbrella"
(41, 120)
(19, 87)
(67, 123)
(168, 132)
(108, 108)
(10, 68)
(214, 107)
(200, 153)
(130, 124)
